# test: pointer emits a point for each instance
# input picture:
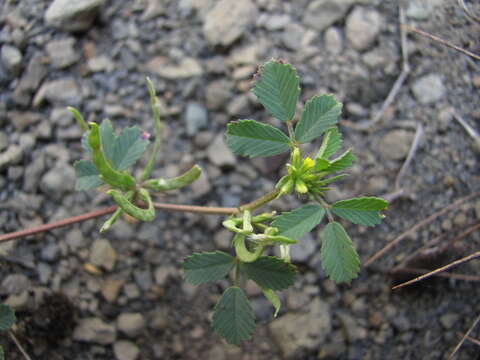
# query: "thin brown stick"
(418, 226)
(464, 337)
(469, 12)
(475, 341)
(441, 41)
(469, 129)
(197, 209)
(396, 86)
(410, 156)
(439, 270)
(19, 346)
(409, 270)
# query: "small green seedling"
(277, 89)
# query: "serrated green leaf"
(330, 180)
(338, 256)
(332, 141)
(7, 317)
(252, 138)
(203, 267)
(233, 317)
(2, 354)
(340, 163)
(270, 272)
(128, 148)
(277, 89)
(296, 223)
(108, 138)
(319, 114)
(273, 298)
(361, 211)
(87, 176)
(321, 164)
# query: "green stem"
(243, 253)
(175, 183)
(260, 201)
(78, 116)
(325, 206)
(291, 133)
(158, 131)
(236, 279)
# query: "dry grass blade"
(475, 341)
(469, 12)
(439, 270)
(441, 41)
(19, 346)
(464, 337)
(469, 129)
(418, 226)
(446, 275)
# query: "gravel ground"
(82, 295)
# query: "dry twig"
(408, 270)
(470, 130)
(464, 337)
(475, 341)
(468, 12)
(19, 346)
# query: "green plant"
(277, 89)
(7, 318)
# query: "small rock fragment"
(11, 58)
(320, 14)
(13, 155)
(126, 350)
(65, 91)
(131, 324)
(73, 16)
(196, 118)
(94, 330)
(363, 27)
(102, 254)
(186, 68)
(429, 89)
(219, 153)
(395, 144)
(62, 53)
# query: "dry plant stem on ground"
(418, 226)
(477, 320)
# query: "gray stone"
(14, 284)
(228, 20)
(295, 331)
(239, 106)
(126, 350)
(13, 155)
(223, 239)
(102, 254)
(429, 89)
(94, 330)
(154, 8)
(201, 186)
(58, 181)
(75, 15)
(218, 93)
(320, 14)
(421, 9)
(395, 144)
(185, 68)
(448, 320)
(22, 119)
(196, 118)
(143, 278)
(30, 80)
(219, 153)
(293, 35)
(44, 272)
(18, 301)
(64, 91)
(362, 28)
(111, 288)
(277, 22)
(62, 53)
(100, 63)
(131, 324)
(352, 329)
(11, 58)
(50, 252)
(304, 249)
(33, 173)
(3, 141)
(162, 273)
(333, 40)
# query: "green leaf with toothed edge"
(361, 211)
(204, 267)
(87, 176)
(277, 89)
(319, 114)
(294, 224)
(108, 138)
(252, 138)
(340, 163)
(270, 272)
(128, 148)
(338, 256)
(332, 141)
(7, 317)
(233, 317)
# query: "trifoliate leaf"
(233, 317)
(338, 256)
(87, 175)
(277, 89)
(361, 211)
(203, 267)
(108, 138)
(270, 272)
(340, 163)
(330, 180)
(128, 148)
(332, 141)
(252, 138)
(319, 114)
(273, 298)
(296, 223)
(7, 317)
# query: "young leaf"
(252, 138)
(128, 148)
(273, 298)
(338, 256)
(277, 89)
(108, 138)
(361, 211)
(207, 266)
(233, 317)
(296, 223)
(342, 162)
(319, 114)
(270, 272)
(7, 317)
(87, 175)
(332, 141)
